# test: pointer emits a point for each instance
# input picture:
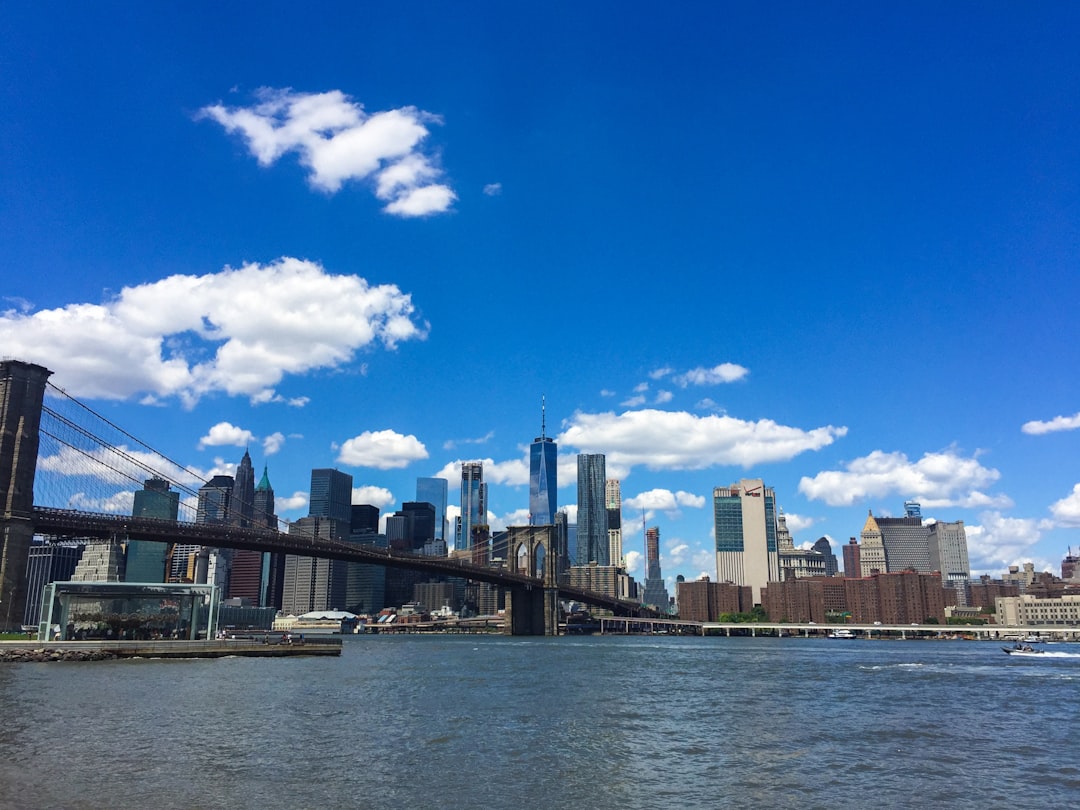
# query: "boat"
(1023, 650)
(841, 634)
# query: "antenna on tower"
(543, 415)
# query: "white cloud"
(663, 397)
(660, 373)
(337, 141)
(999, 541)
(119, 503)
(571, 512)
(511, 473)
(381, 449)
(683, 441)
(273, 443)
(375, 496)
(519, 517)
(290, 503)
(226, 434)
(450, 444)
(634, 561)
(634, 401)
(1066, 511)
(936, 480)
(1037, 428)
(663, 500)
(798, 523)
(676, 555)
(723, 373)
(123, 467)
(187, 336)
(493, 189)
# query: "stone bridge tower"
(22, 392)
(532, 610)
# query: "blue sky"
(830, 245)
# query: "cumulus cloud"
(382, 449)
(663, 500)
(226, 434)
(273, 443)
(374, 496)
(187, 336)
(663, 397)
(1066, 511)
(290, 503)
(337, 141)
(119, 503)
(634, 561)
(493, 189)
(798, 523)
(511, 473)
(677, 554)
(123, 466)
(678, 440)
(723, 373)
(998, 541)
(936, 480)
(1037, 428)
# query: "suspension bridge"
(68, 472)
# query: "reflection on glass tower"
(543, 476)
(592, 528)
(433, 491)
(473, 502)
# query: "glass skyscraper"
(433, 491)
(473, 502)
(331, 495)
(543, 477)
(146, 559)
(592, 525)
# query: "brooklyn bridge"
(48, 437)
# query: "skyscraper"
(146, 559)
(473, 503)
(906, 540)
(214, 508)
(242, 502)
(543, 476)
(331, 494)
(949, 556)
(592, 534)
(872, 556)
(852, 565)
(744, 518)
(245, 571)
(656, 594)
(433, 491)
(613, 505)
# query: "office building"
(543, 477)
(949, 556)
(473, 503)
(45, 563)
(907, 546)
(656, 594)
(100, 562)
(796, 563)
(433, 491)
(310, 583)
(331, 495)
(592, 529)
(613, 505)
(872, 556)
(823, 547)
(744, 518)
(852, 559)
(146, 559)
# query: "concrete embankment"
(19, 651)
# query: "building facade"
(655, 594)
(146, 559)
(872, 556)
(592, 528)
(613, 505)
(434, 491)
(543, 477)
(744, 519)
(473, 503)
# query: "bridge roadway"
(70, 523)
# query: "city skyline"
(833, 248)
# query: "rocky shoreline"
(39, 655)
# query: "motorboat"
(841, 634)
(1023, 650)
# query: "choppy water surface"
(469, 721)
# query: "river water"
(604, 722)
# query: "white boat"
(841, 634)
